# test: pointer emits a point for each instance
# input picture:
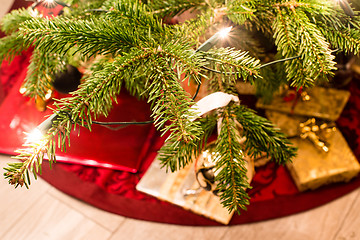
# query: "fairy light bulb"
(49, 2)
(22, 90)
(224, 32)
(48, 94)
(37, 135)
(214, 39)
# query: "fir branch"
(227, 66)
(193, 29)
(97, 93)
(174, 155)
(174, 7)
(230, 164)
(262, 136)
(33, 153)
(341, 31)
(95, 36)
(241, 11)
(10, 22)
(84, 9)
(134, 13)
(10, 46)
(233, 61)
(170, 103)
(94, 96)
(296, 35)
(346, 40)
(13, 44)
(90, 37)
(41, 72)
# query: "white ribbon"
(211, 102)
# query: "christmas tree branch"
(261, 136)
(41, 70)
(299, 38)
(174, 7)
(193, 29)
(13, 44)
(10, 46)
(33, 153)
(174, 155)
(240, 13)
(10, 22)
(232, 61)
(230, 164)
(135, 14)
(341, 31)
(97, 93)
(171, 103)
(60, 35)
(127, 25)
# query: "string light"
(48, 3)
(48, 94)
(22, 90)
(37, 135)
(214, 39)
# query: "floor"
(45, 213)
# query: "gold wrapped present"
(323, 155)
(313, 168)
(245, 88)
(324, 103)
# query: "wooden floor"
(43, 212)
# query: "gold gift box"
(313, 168)
(324, 103)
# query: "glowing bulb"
(214, 39)
(49, 3)
(22, 90)
(48, 94)
(224, 32)
(35, 136)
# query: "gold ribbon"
(317, 134)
